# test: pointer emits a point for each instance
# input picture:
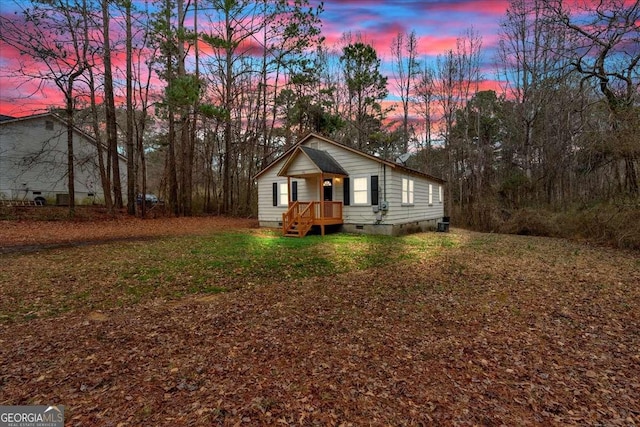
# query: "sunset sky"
(437, 24)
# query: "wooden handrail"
(289, 216)
(305, 218)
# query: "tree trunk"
(104, 170)
(131, 155)
(110, 110)
(70, 153)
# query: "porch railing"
(302, 215)
(332, 210)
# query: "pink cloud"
(433, 45)
(21, 98)
(491, 7)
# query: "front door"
(327, 187)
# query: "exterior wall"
(398, 219)
(421, 209)
(391, 229)
(33, 162)
(301, 165)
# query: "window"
(48, 125)
(430, 194)
(283, 194)
(407, 191)
(440, 193)
(360, 191)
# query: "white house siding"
(269, 215)
(33, 158)
(301, 165)
(420, 210)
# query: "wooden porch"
(301, 216)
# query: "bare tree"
(233, 26)
(529, 66)
(110, 106)
(405, 69)
(603, 48)
(49, 35)
(457, 76)
(131, 154)
(424, 96)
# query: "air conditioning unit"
(62, 199)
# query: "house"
(33, 161)
(320, 182)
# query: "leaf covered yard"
(230, 325)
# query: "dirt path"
(32, 236)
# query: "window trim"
(367, 180)
(282, 194)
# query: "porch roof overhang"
(320, 162)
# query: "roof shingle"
(324, 161)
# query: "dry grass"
(611, 224)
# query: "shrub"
(614, 224)
(532, 222)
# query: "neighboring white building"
(319, 182)
(33, 161)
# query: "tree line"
(207, 92)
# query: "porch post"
(321, 204)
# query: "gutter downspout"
(384, 187)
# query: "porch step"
(293, 230)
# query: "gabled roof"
(322, 160)
(287, 155)
(59, 119)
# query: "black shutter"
(374, 190)
(275, 194)
(346, 192)
(294, 191)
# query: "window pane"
(360, 197)
(405, 196)
(411, 191)
(360, 184)
(360, 193)
(284, 196)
